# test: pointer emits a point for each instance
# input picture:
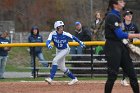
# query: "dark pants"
(117, 55)
(124, 76)
(41, 58)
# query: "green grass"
(42, 79)
(20, 79)
(56, 79)
(20, 57)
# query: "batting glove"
(50, 47)
(125, 41)
(82, 44)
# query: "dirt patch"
(59, 87)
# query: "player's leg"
(41, 58)
(63, 68)
(128, 68)
(112, 75)
(59, 55)
(124, 81)
(113, 57)
(66, 71)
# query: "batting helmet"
(58, 23)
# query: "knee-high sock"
(53, 71)
(69, 74)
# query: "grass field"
(56, 79)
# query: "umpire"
(117, 53)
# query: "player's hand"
(50, 47)
(82, 44)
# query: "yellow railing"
(87, 43)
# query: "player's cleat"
(49, 80)
(73, 81)
(124, 82)
(31, 76)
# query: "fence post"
(20, 37)
(34, 64)
(91, 61)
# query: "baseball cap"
(77, 23)
(127, 13)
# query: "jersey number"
(60, 45)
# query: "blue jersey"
(2, 51)
(131, 28)
(113, 29)
(61, 40)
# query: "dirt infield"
(59, 87)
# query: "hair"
(97, 13)
(33, 28)
(110, 5)
(4, 32)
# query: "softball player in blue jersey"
(60, 39)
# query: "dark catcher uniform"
(130, 28)
(117, 53)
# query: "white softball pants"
(59, 59)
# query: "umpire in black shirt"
(117, 53)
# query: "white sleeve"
(50, 36)
(68, 35)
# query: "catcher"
(129, 27)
